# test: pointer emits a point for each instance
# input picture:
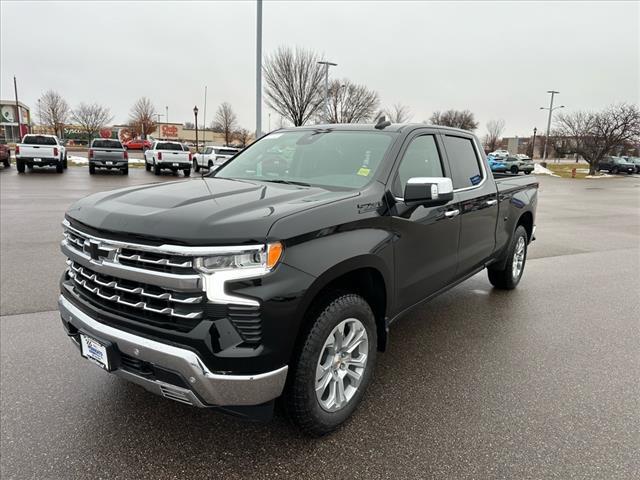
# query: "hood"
(203, 211)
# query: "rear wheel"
(508, 277)
(187, 172)
(527, 172)
(147, 167)
(20, 166)
(59, 167)
(125, 171)
(334, 365)
(156, 168)
(92, 169)
(65, 162)
(6, 163)
(614, 170)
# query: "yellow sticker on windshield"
(364, 172)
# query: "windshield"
(344, 159)
(106, 144)
(39, 140)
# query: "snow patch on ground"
(540, 170)
(601, 175)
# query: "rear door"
(475, 196)
(426, 248)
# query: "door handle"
(452, 213)
(491, 202)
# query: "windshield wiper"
(287, 182)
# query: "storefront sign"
(169, 131)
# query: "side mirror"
(428, 191)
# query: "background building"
(9, 130)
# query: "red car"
(137, 144)
(4, 155)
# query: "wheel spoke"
(358, 362)
(356, 342)
(321, 385)
(341, 398)
(355, 377)
(338, 336)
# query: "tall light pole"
(326, 87)
(259, 70)
(166, 110)
(195, 114)
(551, 109)
(533, 143)
(204, 118)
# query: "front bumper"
(198, 385)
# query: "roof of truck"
(394, 127)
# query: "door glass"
(421, 159)
(465, 167)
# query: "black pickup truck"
(280, 273)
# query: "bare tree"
(226, 121)
(494, 131)
(54, 111)
(189, 125)
(398, 113)
(463, 119)
(141, 117)
(594, 135)
(91, 118)
(243, 136)
(293, 80)
(350, 102)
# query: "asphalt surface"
(540, 382)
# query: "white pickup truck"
(168, 156)
(40, 151)
(213, 157)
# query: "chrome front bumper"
(206, 388)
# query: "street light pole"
(259, 70)
(546, 138)
(204, 118)
(326, 87)
(166, 109)
(533, 143)
(15, 88)
(195, 114)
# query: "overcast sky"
(495, 58)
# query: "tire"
(6, 163)
(514, 170)
(156, 169)
(20, 166)
(614, 170)
(509, 277)
(65, 163)
(92, 169)
(59, 167)
(147, 167)
(30, 167)
(313, 413)
(125, 171)
(187, 172)
(210, 165)
(527, 172)
(196, 167)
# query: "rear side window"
(465, 165)
(226, 151)
(421, 159)
(106, 144)
(38, 140)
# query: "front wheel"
(508, 277)
(614, 170)
(196, 166)
(334, 365)
(527, 172)
(514, 170)
(6, 163)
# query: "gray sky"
(495, 58)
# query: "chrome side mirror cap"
(428, 191)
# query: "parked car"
(616, 165)
(40, 151)
(137, 144)
(5, 154)
(108, 153)
(213, 157)
(635, 161)
(499, 154)
(516, 165)
(168, 156)
(497, 165)
(280, 274)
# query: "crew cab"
(168, 156)
(284, 272)
(37, 150)
(107, 153)
(213, 157)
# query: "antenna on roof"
(382, 123)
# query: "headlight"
(266, 258)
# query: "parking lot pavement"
(541, 382)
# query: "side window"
(421, 159)
(465, 165)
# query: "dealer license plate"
(176, 164)
(109, 163)
(94, 351)
(37, 159)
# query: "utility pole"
(204, 118)
(326, 87)
(551, 109)
(15, 89)
(259, 70)
(166, 111)
(195, 114)
(533, 143)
